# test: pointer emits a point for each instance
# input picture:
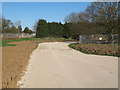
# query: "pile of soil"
(14, 62)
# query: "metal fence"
(16, 35)
(99, 39)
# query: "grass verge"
(97, 49)
(6, 42)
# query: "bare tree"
(73, 17)
(105, 13)
(83, 17)
(5, 24)
(35, 26)
(17, 24)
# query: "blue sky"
(30, 12)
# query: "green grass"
(4, 42)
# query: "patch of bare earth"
(14, 62)
(99, 49)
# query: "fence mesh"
(99, 39)
(15, 35)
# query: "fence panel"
(17, 35)
(99, 39)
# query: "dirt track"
(55, 65)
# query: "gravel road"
(55, 65)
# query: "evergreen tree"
(42, 29)
(27, 30)
(68, 30)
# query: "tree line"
(9, 27)
(98, 18)
(47, 29)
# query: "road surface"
(55, 65)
